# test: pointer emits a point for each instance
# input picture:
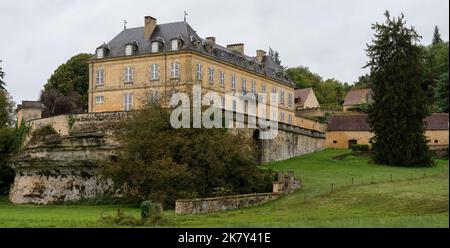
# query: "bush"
(46, 134)
(360, 148)
(163, 164)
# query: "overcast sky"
(328, 36)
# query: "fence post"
(332, 186)
(372, 179)
(352, 180)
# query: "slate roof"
(359, 122)
(168, 31)
(302, 94)
(355, 97)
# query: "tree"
(2, 76)
(6, 109)
(441, 93)
(364, 82)
(56, 103)
(436, 36)
(70, 77)
(162, 164)
(275, 56)
(400, 105)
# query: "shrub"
(163, 164)
(360, 148)
(46, 134)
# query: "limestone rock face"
(64, 168)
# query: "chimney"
(239, 47)
(150, 25)
(260, 55)
(211, 39)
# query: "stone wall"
(285, 184)
(66, 170)
(214, 204)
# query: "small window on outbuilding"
(334, 141)
(436, 141)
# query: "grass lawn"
(415, 197)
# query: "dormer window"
(175, 44)
(100, 53)
(156, 46)
(130, 48)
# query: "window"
(155, 96)
(99, 99)
(211, 75)
(156, 46)
(234, 105)
(253, 87)
(282, 97)
(127, 101)
(222, 79)
(290, 119)
(263, 88)
(334, 141)
(233, 81)
(274, 90)
(128, 75)
(282, 116)
(174, 70)
(100, 53)
(436, 141)
(198, 72)
(175, 44)
(99, 77)
(274, 115)
(154, 72)
(244, 86)
(129, 50)
(290, 99)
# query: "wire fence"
(373, 180)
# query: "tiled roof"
(302, 94)
(191, 41)
(349, 122)
(355, 97)
(359, 122)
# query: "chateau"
(157, 60)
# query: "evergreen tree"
(441, 93)
(2, 75)
(436, 36)
(400, 105)
(275, 56)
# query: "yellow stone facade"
(113, 89)
(340, 139)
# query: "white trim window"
(254, 87)
(198, 72)
(175, 70)
(175, 44)
(290, 99)
(233, 81)
(128, 75)
(282, 97)
(234, 105)
(99, 99)
(263, 88)
(244, 85)
(155, 96)
(100, 77)
(155, 47)
(100, 53)
(129, 49)
(222, 79)
(290, 119)
(127, 101)
(211, 75)
(154, 72)
(282, 116)
(222, 101)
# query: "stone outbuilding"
(355, 98)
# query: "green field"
(380, 196)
